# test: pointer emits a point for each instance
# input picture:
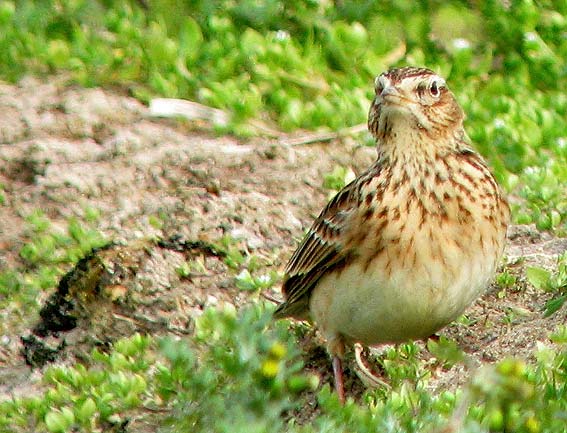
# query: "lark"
(406, 247)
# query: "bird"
(407, 246)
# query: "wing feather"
(322, 249)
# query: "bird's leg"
(337, 349)
(338, 372)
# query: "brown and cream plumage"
(403, 249)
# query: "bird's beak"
(391, 95)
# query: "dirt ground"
(63, 149)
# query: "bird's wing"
(322, 249)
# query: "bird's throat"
(405, 142)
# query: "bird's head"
(413, 101)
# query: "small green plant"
(466, 320)
(545, 193)
(506, 280)
(238, 374)
(551, 282)
(338, 178)
(51, 247)
(247, 282)
(191, 268)
(156, 222)
(249, 265)
(513, 314)
(46, 256)
(560, 335)
(229, 247)
(87, 399)
(506, 388)
(402, 363)
(446, 351)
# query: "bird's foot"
(369, 379)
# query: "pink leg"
(336, 348)
(338, 372)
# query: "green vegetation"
(241, 373)
(338, 178)
(47, 255)
(310, 64)
(251, 276)
(297, 64)
(552, 282)
(234, 375)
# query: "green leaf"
(58, 53)
(86, 411)
(445, 350)
(538, 277)
(7, 10)
(59, 421)
(190, 39)
(553, 305)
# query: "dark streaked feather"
(322, 250)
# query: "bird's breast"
(417, 274)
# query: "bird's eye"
(435, 88)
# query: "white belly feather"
(412, 300)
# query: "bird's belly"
(380, 303)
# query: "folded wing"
(322, 250)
